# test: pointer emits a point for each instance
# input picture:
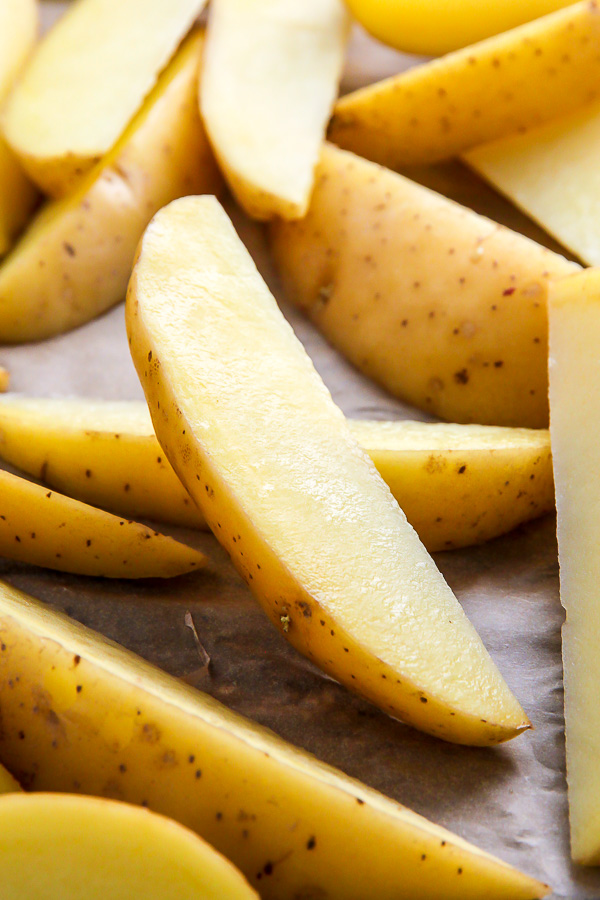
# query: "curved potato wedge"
(69, 847)
(114, 725)
(85, 82)
(256, 439)
(443, 307)
(515, 80)
(457, 484)
(45, 528)
(74, 260)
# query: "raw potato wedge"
(256, 439)
(516, 80)
(8, 784)
(574, 309)
(74, 260)
(87, 79)
(457, 484)
(113, 725)
(443, 307)
(433, 27)
(69, 847)
(45, 528)
(551, 173)
(18, 30)
(269, 81)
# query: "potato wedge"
(518, 79)
(269, 81)
(457, 484)
(551, 173)
(8, 784)
(18, 197)
(284, 818)
(74, 260)
(256, 439)
(87, 79)
(69, 847)
(442, 307)
(574, 312)
(45, 528)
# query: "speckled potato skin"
(516, 80)
(80, 714)
(443, 307)
(74, 260)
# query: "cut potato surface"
(518, 79)
(8, 784)
(74, 260)
(551, 173)
(115, 725)
(254, 436)
(86, 81)
(269, 81)
(45, 528)
(443, 307)
(457, 484)
(70, 847)
(574, 309)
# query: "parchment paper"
(510, 800)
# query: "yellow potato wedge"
(8, 784)
(457, 484)
(443, 307)
(45, 528)
(113, 725)
(18, 30)
(87, 79)
(518, 79)
(574, 312)
(256, 439)
(433, 27)
(69, 847)
(551, 173)
(269, 81)
(74, 260)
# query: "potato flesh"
(574, 308)
(134, 732)
(45, 528)
(74, 260)
(457, 484)
(269, 81)
(78, 94)
(443, 307)
(253, 434)
(551, 173)
(60, 845)
(516, 80)
(7, 783)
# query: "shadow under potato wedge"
(74, 260)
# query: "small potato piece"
(114, 725)
(47, 529)
(443, 307)
(74, 260)
(70, 847)
(85, 82)
(269, 81)
(517, 80)
(457, 484)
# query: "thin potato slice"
(74, 260)
(443, 307)
(552, 174)
(457, 484)
(45, 528)
(256, 439)
(70, 847)
(269, 81)
(87, 79)
(516, 80)
(114, 725)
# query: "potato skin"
(443, 307)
